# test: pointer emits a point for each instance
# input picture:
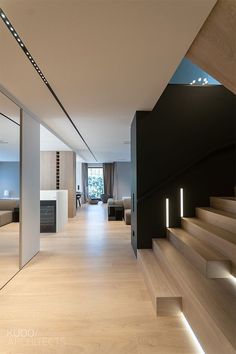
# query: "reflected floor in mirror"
(9, 252)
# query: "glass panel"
(9, 188)
(95, 182)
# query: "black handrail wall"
(186, 141)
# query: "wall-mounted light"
(181, 202)
(6, 193)
(167, 213)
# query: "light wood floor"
(9, 252)
(84, 294)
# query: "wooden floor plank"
(84, 293)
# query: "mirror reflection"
(9, 188)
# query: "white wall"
(79, 175)
(123, 180)
(30, 188)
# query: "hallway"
(85, 294)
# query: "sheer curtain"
(84, 182)
(108, 177)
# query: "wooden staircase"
(195, 264)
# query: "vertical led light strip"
(167, 213)
(181, 202)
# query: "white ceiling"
(105, 59)
(49, 142)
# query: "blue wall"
(187, 72)
(10, 178)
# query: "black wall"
(186, 141)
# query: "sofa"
(119, 209)
(127, 210)
(7, 207)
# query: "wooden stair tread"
(220, 218)
(160, 283)
(219, 212)
(224, 234)
(205, 251)
(210, 304)
(226, 198)
(227, 204)
(165, 297)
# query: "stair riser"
(205, 328)
(210, 269)
(164, 306)
(223, 204)
(221, 221)
(226, 248)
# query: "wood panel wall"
(214, 48)
(68, 179)
(48, 170)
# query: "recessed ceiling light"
(194, 81)
(200, 79)
(10, 28)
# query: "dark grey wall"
(186, 141)
(10, 178)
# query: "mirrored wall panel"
(9, 188)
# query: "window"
(95, 182)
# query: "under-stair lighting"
(196, 342)
(233, 279)
(181, 202)
(167, 213)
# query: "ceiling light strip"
(12, 120)
(40, 73)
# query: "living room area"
(108, 183)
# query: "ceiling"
(49, 142)
(104, 59)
